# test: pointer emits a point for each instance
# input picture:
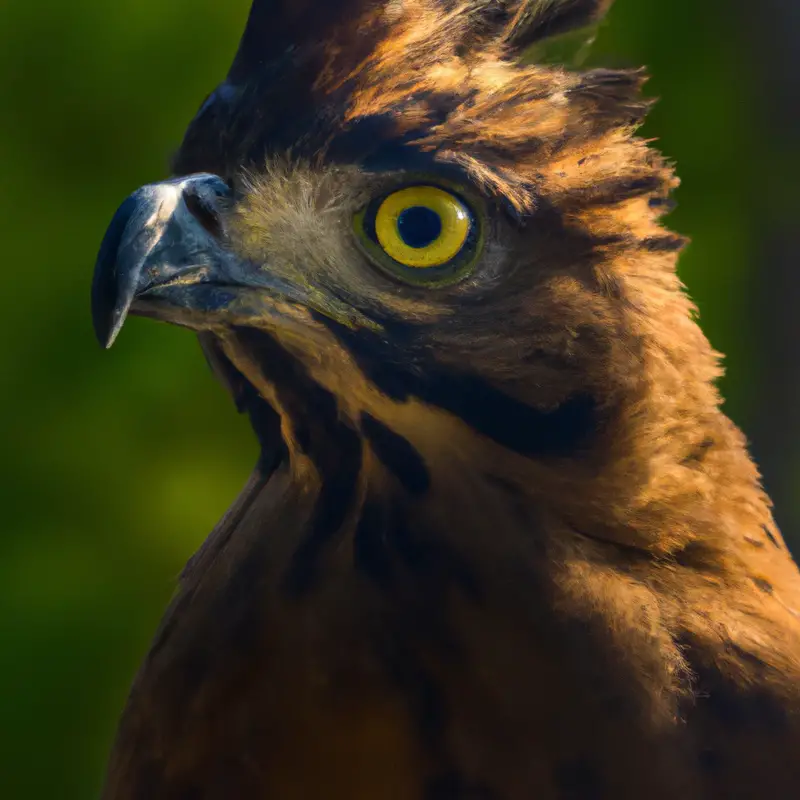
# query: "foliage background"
(117, 464)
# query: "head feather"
(278, 27)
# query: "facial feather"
(558, 151)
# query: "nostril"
(204, 213)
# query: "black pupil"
(419, 226)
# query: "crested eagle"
(501, 543)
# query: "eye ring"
(422, 226)
(420, 233)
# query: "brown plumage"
(501, 542)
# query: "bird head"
(424, 262)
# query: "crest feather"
(278, 27)
(520, 24)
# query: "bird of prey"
(501, 542)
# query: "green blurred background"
(117, 464)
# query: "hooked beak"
(165, 255)
(163, 234)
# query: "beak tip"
(106, 341)
(108, 325)
(111, 298)
(111, 337)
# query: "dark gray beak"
(165, 234)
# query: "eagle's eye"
(421, 234)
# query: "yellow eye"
(421, 234)
(422, 226)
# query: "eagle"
(501, 542)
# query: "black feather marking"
(666, 204)
(771, 537)
(398, 455)
(375, 142)
(510, 422)
(534, 21)
(371, 553)
(754, 542)
(264, 419)
(663, 244)
(330, 442)
(698, 452)
(615, 190)
(339, 473)
(385, 542)
(366, 136)
(434, 565)
(763, 584)
(378, 142)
